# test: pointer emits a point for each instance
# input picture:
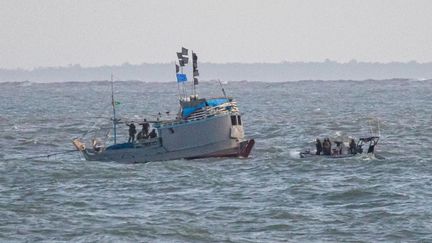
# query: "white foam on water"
(294, 154)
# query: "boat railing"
(208, 111)
(229, 107)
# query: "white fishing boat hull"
(216, 136)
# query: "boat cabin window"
(236, 120)
(233, 120)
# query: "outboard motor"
(371, 149)
(359, 149)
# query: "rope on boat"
(49, 155)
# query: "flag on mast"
(195, 67)
(181, 77)
(185, 60)
(194, 60)
(184, 51)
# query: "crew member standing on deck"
(132, 132)
(145, 128)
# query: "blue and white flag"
(181, 77)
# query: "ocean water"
(274, 196)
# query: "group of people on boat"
(325, 147)
(143, 134)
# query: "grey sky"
(93, 33)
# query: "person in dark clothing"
(371, 148)
(132, 132)
(145, 128)
(318, 147)
(326, 147)
(153, 134)
(373, 142)
(338, 150)
(352, 147)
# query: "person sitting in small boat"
(339, 148)
(318, 147)
(324, 146)
(352, 147)
(132, 132)
(327, 147)
(153, 134)
(334, 152)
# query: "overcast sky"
(93, 33)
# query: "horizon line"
(352, 61)
(227, 81)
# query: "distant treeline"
(277, 72)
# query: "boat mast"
(114, 111)
(193, 75)
(183, 84)
(222, 88)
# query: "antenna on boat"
(114, 110)
(379, 129)
(223, 90)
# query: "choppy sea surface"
(274, 196)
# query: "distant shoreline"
(267, 72)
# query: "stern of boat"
(246, 148)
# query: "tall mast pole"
(183, 84)
(193, 76)
(178, 84)
(114, 110)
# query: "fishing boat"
(203, 128)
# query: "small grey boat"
(358, 150)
